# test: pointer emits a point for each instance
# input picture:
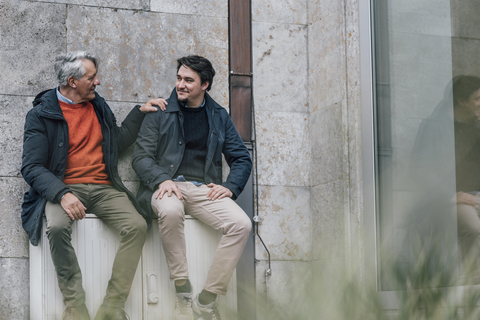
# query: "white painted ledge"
(152, 293)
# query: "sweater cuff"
(137, 107)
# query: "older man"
(70, 155)
(178, 157)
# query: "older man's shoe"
(111, 313)
(76, 313)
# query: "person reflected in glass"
(445, 178)
(466, 99)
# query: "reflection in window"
(428, 142)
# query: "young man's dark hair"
(463, 87)
(201, 66)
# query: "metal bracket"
(152, 294)
(257, 219)
(248, 74)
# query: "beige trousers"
(224, 215)
(468, 226)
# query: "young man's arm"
(237, 157)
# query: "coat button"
(172, 165)
(60, 144)
(180, 142)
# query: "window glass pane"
(427, 141)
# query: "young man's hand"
(168, 187)
(218, 192)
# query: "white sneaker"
(205, 312)
(183, 306)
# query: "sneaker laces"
(184, 303)
(214, 311)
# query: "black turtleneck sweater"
(195, 128)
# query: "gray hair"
(69, 64)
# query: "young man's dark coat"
(160, 146)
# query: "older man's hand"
(149, 106)
(73, 206)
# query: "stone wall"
(307, 109)
(335, 136)
(137, 42)
(280, 68)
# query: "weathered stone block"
(14, 289)
(132, 185)
(209, 8)
(31, 35)
(261, 289)
(283, 148)
(124, 4)
(280, 67)
(13, 110)
(327, 65)
(353, 48)
(327, 139)
(321, 9)
(285, 291)
(283, 11)
(138, 49)
(13, 239)
(125, 169)
(328, 219)
(287, 226)
(331, 286)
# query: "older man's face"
(85, 86)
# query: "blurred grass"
(336, 294)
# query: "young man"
(178, 157)
(70, 155)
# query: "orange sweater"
(85, 162)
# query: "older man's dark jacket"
(45, 151)
(160, 147)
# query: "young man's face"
(85, 86)
(190, 89)
(474, 103)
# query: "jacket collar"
(50, 106)
(174, 104)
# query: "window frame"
(391, 300)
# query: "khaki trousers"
(224, 215)
(115, 209)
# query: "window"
(425, 155)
